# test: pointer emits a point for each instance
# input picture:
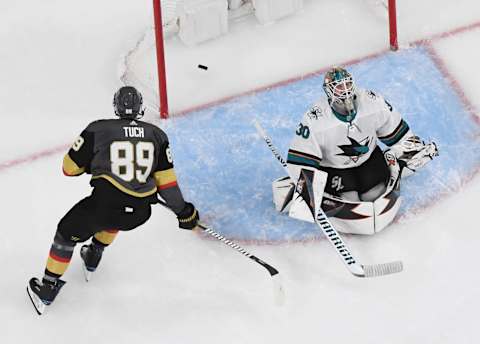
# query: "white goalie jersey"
(325, 140)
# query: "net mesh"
(190, 87)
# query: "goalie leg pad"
(386, 208)
(283, 189)
(304, 200)
(368, 218)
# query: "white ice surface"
(60, 63)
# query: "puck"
(202, 67)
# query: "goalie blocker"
(347, 216)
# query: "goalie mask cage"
(166, 25)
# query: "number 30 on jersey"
(303, 131)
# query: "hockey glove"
(413, 154)
(188, 217)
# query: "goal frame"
(392, 24)
(160, 48)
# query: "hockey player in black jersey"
(130, 162)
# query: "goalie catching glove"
(413, 153)
(188, 218)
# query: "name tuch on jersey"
(134, 132)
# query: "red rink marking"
(423, 42)
(278, 84)
(454, 83)
(32, 157)
(427, 43)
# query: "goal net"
(205, 40)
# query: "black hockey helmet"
(128, 103)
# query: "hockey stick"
(278, 291)
(358, 270)
(271, 270)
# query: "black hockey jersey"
(134, 156)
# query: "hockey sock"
(104, 238)
(59, 258)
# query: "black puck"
(202, 67)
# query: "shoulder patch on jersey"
(315, 112)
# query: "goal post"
(392, 22)
(160, 50)
(174, 17)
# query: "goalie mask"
(340, 89)
(128, 103)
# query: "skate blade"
(86, 273)
(37, 303)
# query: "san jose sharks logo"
(355, 149)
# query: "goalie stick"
(357, 269)
(278, 291)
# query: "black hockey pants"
(106, 208)
(361, 178)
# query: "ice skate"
(91, 256)
(43, 293)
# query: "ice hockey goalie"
(337, 141)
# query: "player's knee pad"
(62, 241)
(71, 235)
